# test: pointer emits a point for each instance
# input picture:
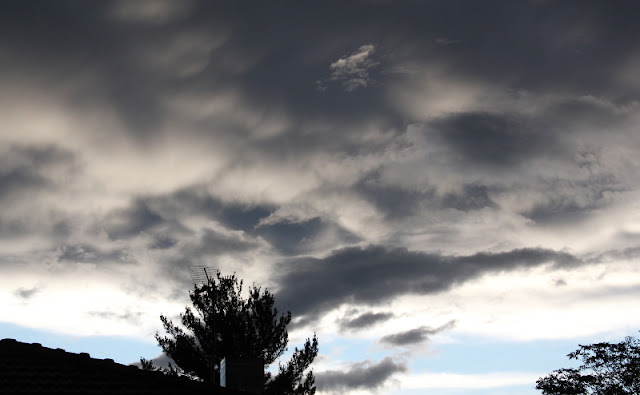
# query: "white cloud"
(353, 71)
(469, 381)
(86, 300)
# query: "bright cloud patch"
(353, 71)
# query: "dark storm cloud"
(533, 46)
(493, 139)
(123, 224)
(161, 217)
(572, 199)
(26, 293)
(414, 336)
(628, 254)
(78, 38)
(10, 228)
(398, 202)
(61, 230)
(364, 320)
(471, 197)
(163, 242)
(586, 111)
(271, 56)
(541, 47)
(25, 169)
(86, 253)
(212, 242)
(197, 201)
(243, 217)
(296, 238)
(16, 228)
(375, 274)
(20, 180)
(393, 201)
(200, 248)
(30, 171)
(364, 375)
(290, 238)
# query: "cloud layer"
(350, 157)
(364, 375)
(375, 274)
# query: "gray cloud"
(162, 216)
(560, 282)
(569, 200)
(492, 139)
(393, 201)
(11, 228)
(132, 221)
(215, 243)
(294, 238)
(87, 253)
(414, 336)
(20, 180)
(242, 217)
(197, 201)
(163, 242)
(628, 253)
(26, 293)
(363, 375)
(132, 317)
(374, 274)
(400, 202)
(199, 250)
(364, 320)
(25, 169)
(471, 197)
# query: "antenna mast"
(202, 275)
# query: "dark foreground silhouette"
(607, 369)
(33, 368)
(224, 325)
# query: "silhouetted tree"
(238, 328)
(607, 369)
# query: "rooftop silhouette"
(26, 367)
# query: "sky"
(446, 192)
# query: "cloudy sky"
(447, 192)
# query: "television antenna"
(202, 275)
